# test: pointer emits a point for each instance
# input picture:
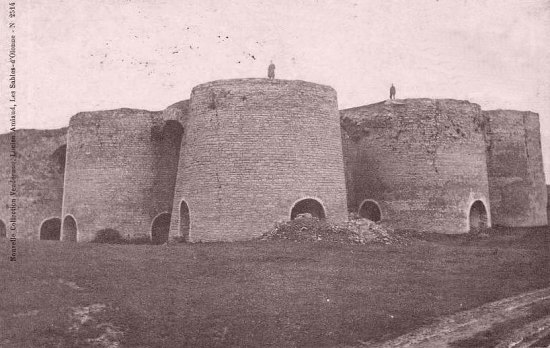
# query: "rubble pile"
(372, 232)
(306, 228)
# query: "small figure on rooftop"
(392, 91)
(271, 71)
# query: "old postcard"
(251, 173)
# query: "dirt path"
(520, 321)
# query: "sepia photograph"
(275, 173)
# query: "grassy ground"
(256, 294)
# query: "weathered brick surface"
(167, 148)
(422, 160)
(252, 148)
(120, 171)
(517, 185)
(40, 156)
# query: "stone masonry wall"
(242, 152)
(516, 176)
(422, 160)
(168, 136)
(254, 147)
(40, 169)
(110, 172)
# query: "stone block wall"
(422, 160)
(241, 153)
(517, 184)
(110, 172)
(252, 149)
(167, 136)
(40, 169)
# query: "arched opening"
(168, 159)
(160, 228)
(172, 132)
(185, 221)
(167, 139)
(69, 229)
(310, 206)
(51, 229)
(478, 216)
(370, 210)
(59, 158)
(3, 231)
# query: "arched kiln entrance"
(185, 221)
(51, 229)
(478, 216)
(160, 228)
(59, 157)
(172, 133)
(3, 231)
(310, 206)
(369, 209)
(69, 229)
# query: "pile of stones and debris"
(306, 228)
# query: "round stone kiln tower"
(418, 164)
(516, 175)
(257, 151)
(119, 173)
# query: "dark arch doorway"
(172, 132)
(185, 221)
(370, 210)
(51, 229)
(69, 229)
(160, 228)
(59, 157)
(3, 231)
(478, 216)
(310, 206)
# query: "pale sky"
(102, 54)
